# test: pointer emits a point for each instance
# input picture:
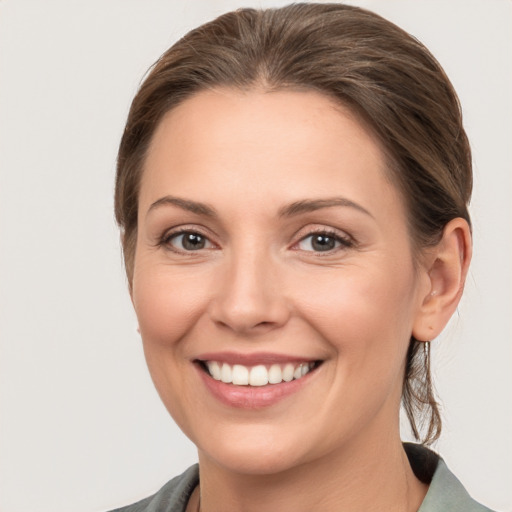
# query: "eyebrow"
(184, 204)
(295, 208)
(311, 205)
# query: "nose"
(250, 298)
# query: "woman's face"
(271, 244)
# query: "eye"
(322, 242)
(188, 241)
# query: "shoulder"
(445, 490)
(172, 497)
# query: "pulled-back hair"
(356, 58)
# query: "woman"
(292, 191)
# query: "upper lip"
(253, 359)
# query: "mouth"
(258, 375)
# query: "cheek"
(168, 307)
(167, 303)
(364, 312)
(366, 318)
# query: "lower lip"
(251, 397)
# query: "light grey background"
(81, 427)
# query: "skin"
(258, 285)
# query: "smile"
(257, 380)
(258, 375)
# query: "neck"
(364, 477)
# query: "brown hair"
(359, 59)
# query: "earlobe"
(446, 271)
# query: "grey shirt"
(445, 493)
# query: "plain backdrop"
(81, 427)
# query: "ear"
(445, 267)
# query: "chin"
(251, 461)
(253, 451)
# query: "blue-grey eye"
(189, 241)
(319, 242)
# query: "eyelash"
(167, 238)
(344, 242)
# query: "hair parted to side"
(360, 60)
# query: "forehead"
(229, 144)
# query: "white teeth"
(225, 373)
(214, 369)
(260, 375)
(240, 375)
(275, 374)
(288, 372)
